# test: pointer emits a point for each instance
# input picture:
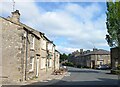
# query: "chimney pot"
(16, 16)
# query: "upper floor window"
(50, 47)
(43, 44)
(100, 57)
(32, 42)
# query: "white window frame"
(43, 63)
(33, 42)
(32, 64)
(50, 63)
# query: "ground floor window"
(31, 63)
(50, 63)
(43, 63)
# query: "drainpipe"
(54, 58)
(47, 56)
(22, 59)
(26, 55)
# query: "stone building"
(25, 51)
(74, 57)
(91, 58)
(57, 59)
(115, 57)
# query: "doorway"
(37, 66)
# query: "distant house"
(26, 53)
(90, 58)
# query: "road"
(84, 78)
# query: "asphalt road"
(78, 76)
(83, 78)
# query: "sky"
(70, 25)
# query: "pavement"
(46, 79)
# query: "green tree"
(63, 57)
(113, 23)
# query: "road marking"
(68, 74)
(44, 81)
(49, 79)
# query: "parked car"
(103, 67)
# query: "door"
(37, 67)
(93, 64)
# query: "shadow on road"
(61, 83)
(103, 82)
(83, 71)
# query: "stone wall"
(115, 60)
(19, 61)
(11, 51)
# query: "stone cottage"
(91, 59)
(57, 59)
(25, 51)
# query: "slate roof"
(98, 52)
(35, 32)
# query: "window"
(43, 63)
(43, 44)
(100, 57)
(31, 63)
(50, 47)
(32, 42)
(50, 63)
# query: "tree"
(113, 23)
(63, 57)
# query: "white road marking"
(68, 74)
(44, 81)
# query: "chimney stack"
(95, 49)
(15, 16)
(81, 51)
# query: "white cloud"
(72, 22)
(66, 50)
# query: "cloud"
(66, 50)
(71, 26)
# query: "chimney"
(81, 51)
(15, 16)
(95, 49)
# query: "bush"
(116, 70)
(79, 66)
(86, 67)
(118, 67)
(68, 64)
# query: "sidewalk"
(45, 79)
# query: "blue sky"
(70, 25)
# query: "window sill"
(31, 71)
(32, 49)
(43, 68)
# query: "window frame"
(32, 42)
(32, 64)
